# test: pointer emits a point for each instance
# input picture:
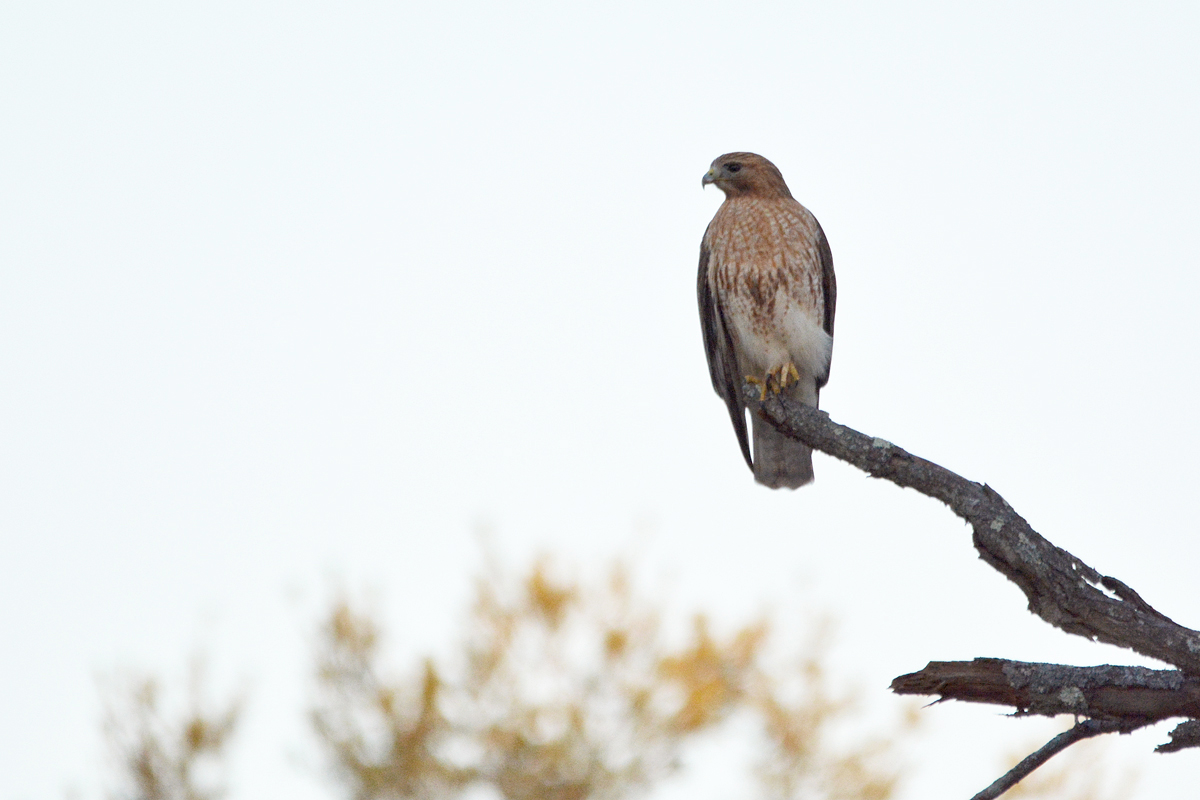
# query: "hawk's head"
(742, 174)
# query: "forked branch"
(1060, 588)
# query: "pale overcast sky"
(296, 296)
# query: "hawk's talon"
(776, 380)
(793, 372)
(782, 376)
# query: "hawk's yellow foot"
(779, 378)
(776, 380)
(785, 375)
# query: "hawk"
(767, 296)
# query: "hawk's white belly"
(791, 334)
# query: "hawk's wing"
(828, 288)
(722, 361)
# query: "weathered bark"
(1185, 734)
(1060, 588)
(1106, 692)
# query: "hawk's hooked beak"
(709, 177)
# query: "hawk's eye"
(733, 167)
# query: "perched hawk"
(767, 295)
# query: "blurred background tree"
(161, 754)
(566, 692)
(558, 691)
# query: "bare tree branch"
(1106, 692)
(1186, 734)
(1061, 589)
(1081, 730)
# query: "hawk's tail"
(779, 461)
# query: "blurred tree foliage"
(557, 691)
(166, 756)
(564, 692)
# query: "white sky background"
(297, 297)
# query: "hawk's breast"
(765, 272)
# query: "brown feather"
(767, 297)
